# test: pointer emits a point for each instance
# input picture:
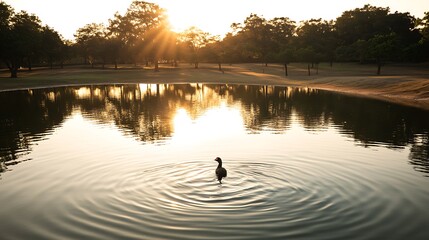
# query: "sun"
(177, 18)
(215, 19)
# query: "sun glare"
(177, 21)
(215, 123)
(213, 17)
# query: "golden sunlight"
(177, 19)
(182, 122)
(213, 17)
(216, 122)
(115, 92)
(216, 17)
(150, 89)
(83, 92)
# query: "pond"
(137, 162)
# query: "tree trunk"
(116, 65)
(220, 66)
(13, 72)
(156, 65)
(286, 74)
(13, 68)
(29, 65)
(308, 67)
(378, 66)
(196, 65)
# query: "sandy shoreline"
(401, 85)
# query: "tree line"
(142, 35)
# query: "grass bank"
(403, 84)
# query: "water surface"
(137, 162)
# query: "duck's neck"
(219, 165)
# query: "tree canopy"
(23, 40)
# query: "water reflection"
(150, 113)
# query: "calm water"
(137, 162)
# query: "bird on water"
(220, 171)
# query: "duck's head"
(218, 159)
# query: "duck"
(220, 171)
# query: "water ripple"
(270, 200)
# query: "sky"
(214, 16)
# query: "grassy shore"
(403, 84)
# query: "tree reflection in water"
(146, 111)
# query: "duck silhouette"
(220, 171)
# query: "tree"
(370, 23)
(407, 36)
(90, 40)
(282, 31)
(53, 46)
(381, 48)
(214, 51)
(6, 13)
(306, 55)
(27, 31)
(353, 52)
(255, 33)
(286, 55)
(113, 48)
(141, 20)
(194, 39)
(159, 43)
(423, 24)
(361, 24)
(318, 35)
(142, 33)
(233, 47)
(120, 38)
(20, 38)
